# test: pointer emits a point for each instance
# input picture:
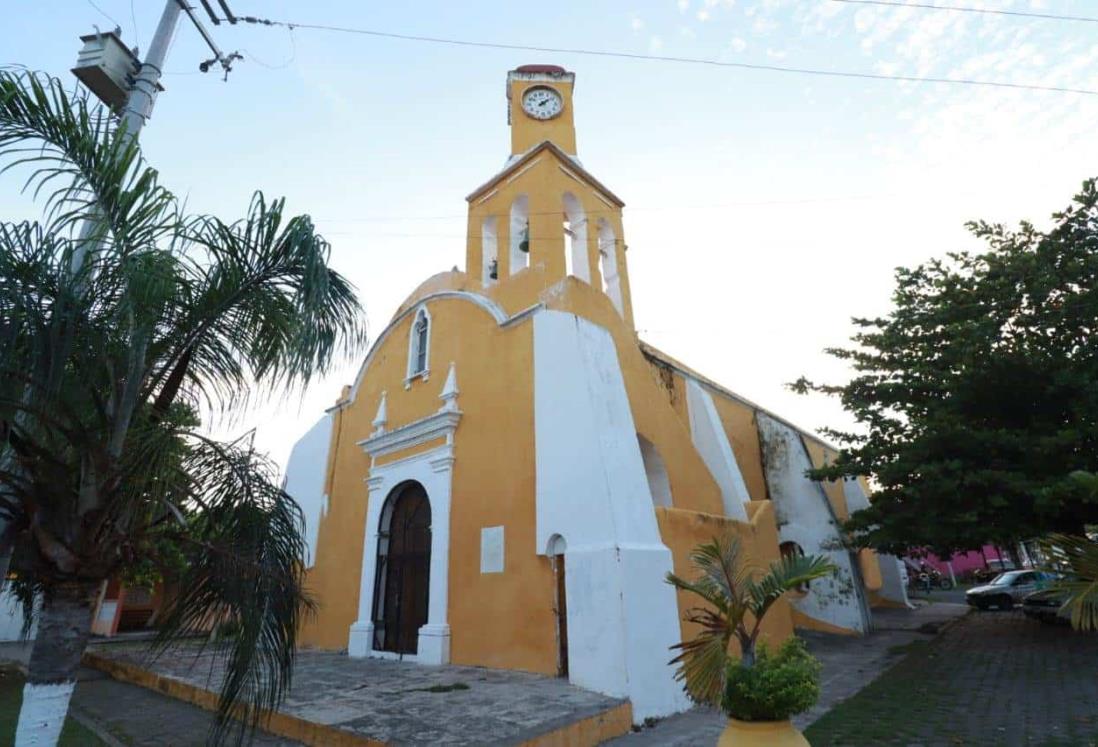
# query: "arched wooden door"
(403, 569)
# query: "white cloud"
(738, 44)
(775, 54)
(683, 5)
(636, 23)
(655, 43)
(703, 15)
(763, 25)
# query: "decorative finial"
(382, 417)
(450, 390)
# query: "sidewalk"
(849, 664)
(123, 714)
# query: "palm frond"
(738, 596)
(244, 566)
(785, 575)
(1078, 558)
(261, 306)
(701, 661)
(66, 141)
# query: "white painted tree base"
(43, 714)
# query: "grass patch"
(11, 700)
(903, 705)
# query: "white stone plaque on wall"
(491, 550)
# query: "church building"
(514, 471)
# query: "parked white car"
(1006, 589)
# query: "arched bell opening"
(520, 234)
(576, 261)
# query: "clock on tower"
(539, 99)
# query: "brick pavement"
(996, 678)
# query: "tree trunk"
(63, 629)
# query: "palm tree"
(737, 597)
(1077, 557)
(112, 341)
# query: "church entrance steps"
(344, 702)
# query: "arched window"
(608, 263)
(402, 573)
(520, 234)
(489, 247)
(659, 485)
(575, 239)
(793, 550)
(419, 346)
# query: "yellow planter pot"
(761, 734)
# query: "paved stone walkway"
(849, 664)
(404, 703)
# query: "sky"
(763, 209)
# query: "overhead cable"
(668, 58)
(969, 9)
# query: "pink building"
(965, 563)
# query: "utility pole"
(142, 97)
(138, 109)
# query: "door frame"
(387, 573)
(434, 471)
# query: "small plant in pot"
(759, 691)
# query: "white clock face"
(542, 102)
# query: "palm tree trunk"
(63, 629)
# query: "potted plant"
(759, 691)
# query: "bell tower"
(539, 108)
(544, 218)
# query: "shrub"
(776, 687)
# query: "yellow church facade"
(513, 471)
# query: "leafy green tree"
(737, 596)
(110, 340)
(977, 395)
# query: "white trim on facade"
(711, 442)
(434, 471)
(414, 350)
(804, 515)
(306, 474)
(592, 502)
(893, 587)
(494, 309)
(438, 425)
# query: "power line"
(963, 9)
(270, 66)
(133, 17)
(666, 58)
(104, 14)
(610, 211)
